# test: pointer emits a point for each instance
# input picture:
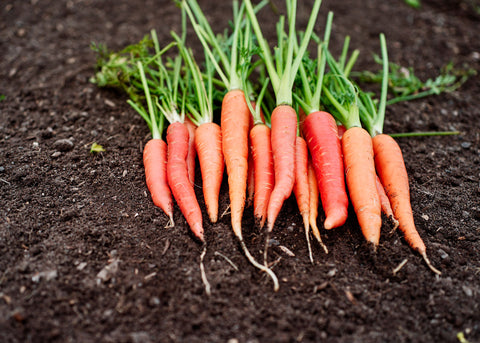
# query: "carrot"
(263, 167)
(283, 137)
(300, 187)
(314, 197)
(284, 117)
(191, 150)
(177, 175)
(208, 136)
(384, 201)
(324, 144)
(235, 115)
(208, 143)
(320, 131)
(390, 164)
(154, 161)
(361, 181)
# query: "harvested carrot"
(361, 181)
(324, 144)
(320, 131)
(208, 135)
(177, 175)
(155, 163)
(284, 117)
(208, 142)
(390, 164)
(235, 114)
(283, 137)
(263, 167)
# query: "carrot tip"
(335, 219)
(429, 264)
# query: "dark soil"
(66, 214)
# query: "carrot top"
(311, 74)
(283, 71)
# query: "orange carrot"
(360, 174)
(191, 150)
(208, 143)
(324, 144)
(263, 170)
(177, 174)
(155, 163)
(314, 197)
(283, 136)
(385, 202)
(235, 117)
(300, 187)
(393, 174)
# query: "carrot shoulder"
(360, 174)
(182, 189)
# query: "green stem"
(422, 134)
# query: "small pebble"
(56, 154)
(63, 145)
(467, 290)
(442, 253)
(466, 145)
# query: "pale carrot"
(360, 175)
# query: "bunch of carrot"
(306, 137)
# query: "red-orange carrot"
(208, 143)
(360, 174)
(263, 170)
(235, 117)
(300, 187)
(385, 202)
(321, 134)
(283, 136)
(314, 203)
(155, 163)
(177, 174)
(191, 150)
(393, 174)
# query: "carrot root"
(392, 172)
(177, 175)
(208, 143)
(360, 174)
(321, 134)
(155, 163)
